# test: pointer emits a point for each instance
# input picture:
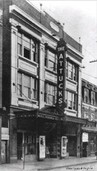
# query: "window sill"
(28, 60)
(71, 110)
(27, 100)
(53, 72)
(47, 104)
(71, 80)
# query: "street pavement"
(48, 164)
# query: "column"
(79, 141)
(58, 139)
(41, 75)
(0, 136)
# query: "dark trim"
(75, 119)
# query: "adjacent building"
(36, 126)
(89, 112)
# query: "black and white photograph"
(48, 85)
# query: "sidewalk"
(47, 164)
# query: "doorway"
(85, 149)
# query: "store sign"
(41, 147)
(85, 137)
(61, 49)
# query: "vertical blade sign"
(61, 78)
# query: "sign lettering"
(61, 49)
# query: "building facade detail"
(34, 121)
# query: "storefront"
(32, 128)
(89, 140)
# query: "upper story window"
(50, 60)
(27, 87)
(92, 98)
(86, 95)
(50, 94)
(28, 48)
(71, 71)
(71, 99)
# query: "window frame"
(50, 93)
(21, 93)
(86, 95)
(48, 59)
(21, 41)
(72, 101)
(73, 71)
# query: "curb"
(65, 166)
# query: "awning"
(75, 119)
(89, 129)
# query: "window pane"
(34, 55)
(34, 89)
(19, 38)
(20, 84)
(70, 70)
(50, 94)
(27, 84)
(50, 60)
(27, 53)
(19, 49)
(26, 42)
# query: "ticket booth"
(64, 142)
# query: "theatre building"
(41, 80)
(89, 112)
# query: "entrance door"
(19, 146)
(3, 151)
(71, 145)
(85, 148)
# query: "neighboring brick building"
(89, 112)
(29, 79)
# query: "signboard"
(61, 50)
(64, 141)
(85, 137)
(41, 147)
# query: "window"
(26, 53)
(34, 88)
(92, 97)
(19, 44)
(71, 71)
(28, 48)
(71, 99)
(50, 94)
(86, 95)
(20, 84)
(34, 53)
(27, 86)
(50, 60)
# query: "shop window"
(50, 94)
(29, 144)
(50, 60)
